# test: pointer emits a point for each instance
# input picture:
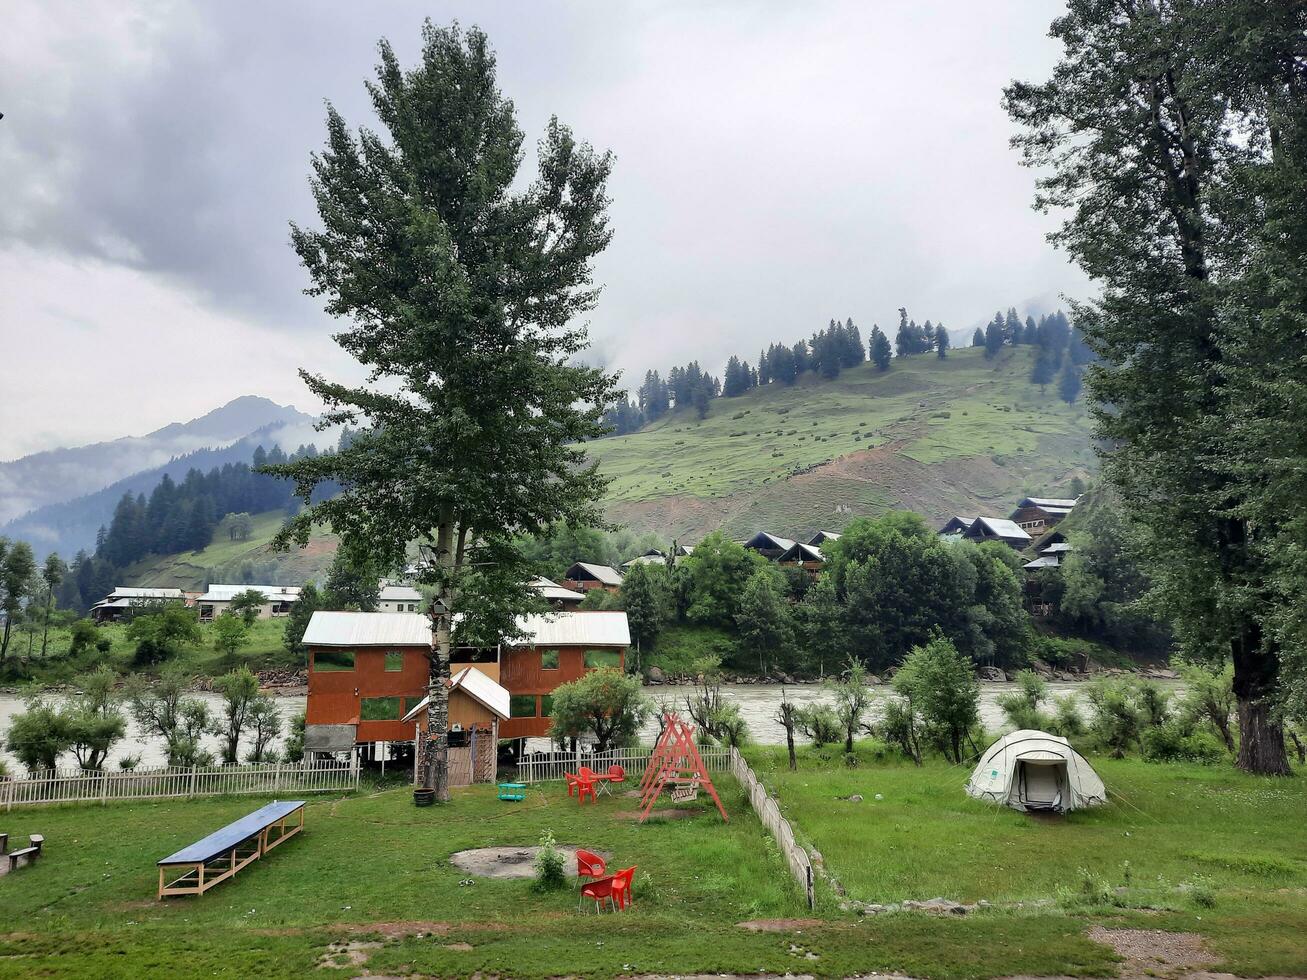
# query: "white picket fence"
(541, 766)
(769, 812)
(88, 786)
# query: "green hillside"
(962, 435)
(225, 560)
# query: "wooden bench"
(19, 858)
(4, 843)
(226, 851)
(37, 841)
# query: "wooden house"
(821, 537)
(805, 556)
(1035, 515)
(556, 595)
(770, 546)
(369, 671)
(584, 576)
(986, 529)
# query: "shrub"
(84, 636)
(1179, 741)
(819, 723)
(129, 762)
(1201, 891)
(1066, 720)
(550, 865)
(104, 644)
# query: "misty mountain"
(58, 475)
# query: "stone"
(656, 675)
(991, 674)
(855, 798)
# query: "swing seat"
(686, 794)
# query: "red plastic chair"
(616, 775)
(572, 780)
(589, 865)
(621, 887)
(584, 787)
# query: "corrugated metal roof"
(821, 537)
(399, 593)
(1048, 561)
(132, 592)
(1065, 502)
(275, 593)
(480, 687)
(802, 552)
(1056, 548)
(362, 629)
(655, 559)
(552, 590)
(600, 573)
(575, 629)
(1004, 528)
(775, 541)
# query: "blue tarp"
(222, 841)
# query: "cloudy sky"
(777, 165)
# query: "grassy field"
(371, 868)
(264, 650)
(1179, 847)
(224, 560)
(925, 412)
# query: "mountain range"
(58, 499)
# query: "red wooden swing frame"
(676, 762)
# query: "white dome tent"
(1031, 770)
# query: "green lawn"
(372, 868)
(1172, 836)
(264, 650)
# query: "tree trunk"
(45, 634)
(4, 644)
(1261, 735)
(436, 750)
(789, 745)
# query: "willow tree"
(1157, 135)
(461, 286)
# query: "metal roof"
(1060, 502)
(362, 629)
(600, 573)
(777, 542)
(802, 552)
(962, 524)
(552, 590)
(274, 593)
(399, 593)
(1002, 528)
(575, 629)
(1048, 561)
(131, 592)
(481, 688)
(821, 537)
(657, 558)
(1054, 549)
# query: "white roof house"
(481, 688)
(555, 592)
(766, 541)
(273, 593)
(1044, 561)
(575, 629)
(821, 537)
(603, 574)
(1060, 548)
(399, 593)
(1057, 503)
(802, 552)
(363, 629)
(132, 592)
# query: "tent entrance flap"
(1040, 785)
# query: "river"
(757, 703)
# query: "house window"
(394, 661)
(522, 706)
(548, 659)
(411, 607)
(379, 709)
(206, 613)
(546, 706)
(329, 660)
(602, 658)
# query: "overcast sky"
(777, 165)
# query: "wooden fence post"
(190, 789)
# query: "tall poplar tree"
(1162, 114)
(459, 288)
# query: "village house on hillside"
(368, 674)
(1035, 515)
(124, 599)
(556, 595)
(986, 529)
(821, 537)
(769, 545)
(399, 598)
(805, 556)
(584, 576)
(217, 600)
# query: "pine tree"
(978, 338)
(994, 338)
(1068, 383)
(941, 342)
(881, 353)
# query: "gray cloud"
(777, 164)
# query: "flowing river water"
(758, 703)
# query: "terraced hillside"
(962, 435)
(225, 560)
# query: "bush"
(104, 644)
(819, 723)
(1066, 720)
(1180, 741)
(84, 636)
(129, 762)
(550, 865)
